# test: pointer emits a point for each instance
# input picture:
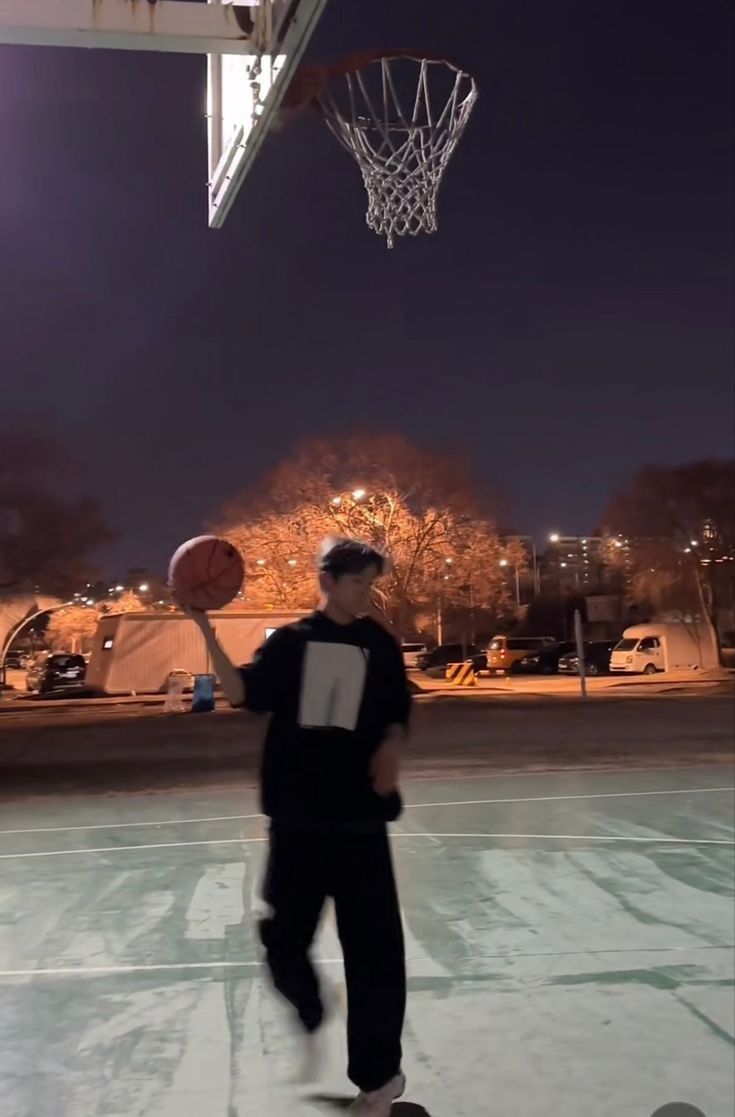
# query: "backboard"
(244, 92)
(252, 46)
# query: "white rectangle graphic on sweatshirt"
(332, 685)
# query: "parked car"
(505, 652)
(544, 661)
(596, 659)
(411, 653)
(15, 661)
(52, 671)
(451, 653)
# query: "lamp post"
(440, 600)
(555, 539)
(504, 563)
(529, 539)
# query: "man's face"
(352, 592)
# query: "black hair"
(348, 556)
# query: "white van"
(664, 646)
(411, 653)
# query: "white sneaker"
(378, 1103)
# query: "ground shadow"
(336, 1103)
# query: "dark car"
(451, 653)
(53, 671)
(544, 661)
(596, 659)
(15, 661)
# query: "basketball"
(206, 573)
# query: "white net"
(401, 118)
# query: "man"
(335, 688)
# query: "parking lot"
(508, 685)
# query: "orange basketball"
(206, 573)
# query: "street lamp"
(554, 537)
(440, 600)
(504, 563)
(358, 494)
(143, 587)
(530, 547)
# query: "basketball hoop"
(400, 116)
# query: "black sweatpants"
(356, 869)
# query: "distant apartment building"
(577, 564)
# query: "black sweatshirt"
(332, 692)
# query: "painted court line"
(569, 798)
(409, 807)
(164, 967)
(153, 967)
(423, 834)
(127, 849)
(133, 825)
(583, 838)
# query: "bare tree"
(71, 629)
(127, 602)
(673, 534)
(46, 539)
(420, 508)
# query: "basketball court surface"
(569, 941)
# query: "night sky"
(570, 320)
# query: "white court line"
(156, 967)
(129, 825)
(423, 834)
(582, 838)
(123, 849)
(409, 807)
(565, 798)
